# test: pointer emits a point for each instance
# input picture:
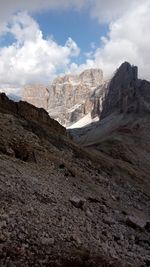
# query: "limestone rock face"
(98, 98)
(68, 98)
(36, 95)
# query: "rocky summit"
(122, 131)
(77, 204)
(68, 98)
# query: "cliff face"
(98, 98)
(71, 97)
(126, 93)
(68, 98)
(122, 132)
(30, 113)
(37, 95)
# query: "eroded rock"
(136, 222)
(77, 202)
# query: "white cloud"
(23, 28)
(109, 10)
(13, 93)
(128, 39)
(105, 11)
(9, 7)
(32, 58)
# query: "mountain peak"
(125, 92)
(125, 75)
(67, 99)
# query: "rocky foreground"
(65, 205)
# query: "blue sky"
(75, 24)
(42, 39)
(78, 25)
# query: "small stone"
(10, 152)
(104, 238)
(136, 222)
(113, 197)
(103, 208)
(47, 240)
(77, 202)
(75, 238)
(63, 221)
(88, 227)
(132, 237)
(30, 209)
(3, 224)
(109, 221)
(89, 213)
(118, 237)
(2, 237)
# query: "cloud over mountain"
(34, 58)
(127, 40)
(31, 57)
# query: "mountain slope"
(123, 130)
(62, 205)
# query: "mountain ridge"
(67, 99)
(71, 97)
(65, 204)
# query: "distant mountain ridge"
(68, 98)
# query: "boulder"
(77, 202)
(136, 222)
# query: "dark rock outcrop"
(30, 113)
(126, 93)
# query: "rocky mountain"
(37, 95)
(124, 96)
(76, 100)
(126, 93)
(67, 99)
(67, 204)
(122, 131)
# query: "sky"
(42, 39)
